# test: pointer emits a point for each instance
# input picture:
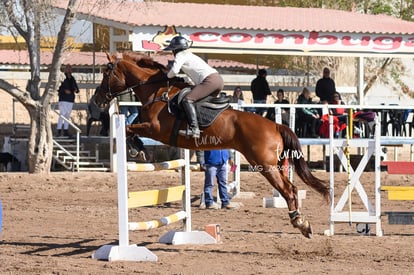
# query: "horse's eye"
(110, 66)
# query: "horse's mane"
(147, 63)
(144, 61)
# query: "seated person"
(339, 118)
(339, 112)
(309, 116)
(364, 118)
(98, 113)
(285, 111)
(337, 100)
(237, 96)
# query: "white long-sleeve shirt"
(192, 65)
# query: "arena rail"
(126, 252)
(235, 185)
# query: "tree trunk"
(40, 144)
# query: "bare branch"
(21, 96)
(60, 44)
(11, 13)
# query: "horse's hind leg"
(290, 193)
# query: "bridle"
(110, 95)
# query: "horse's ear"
(111, 58)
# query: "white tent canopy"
(233, 41)
(231, 29)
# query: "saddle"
(208, 108)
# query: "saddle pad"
(207, 111)
(206, 116)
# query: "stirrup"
(190, 132)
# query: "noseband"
(109, 95)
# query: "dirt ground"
(53, 224)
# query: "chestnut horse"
(264, 143)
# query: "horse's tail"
(292, 149)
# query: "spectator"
(237, 96)
(309, 115)
(339, 112)
(130, 112)
(98, 113)
(325, 87)
(339, 118)
(260, 89)
(285, 111)
(216, 167)
(200, 159)
(67, 91)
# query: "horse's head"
(113, 81)
(133, 72)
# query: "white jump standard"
(372, 215)
(126, 252)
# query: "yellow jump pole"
(351, 122)
(348, 158)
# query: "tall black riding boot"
(190, 111)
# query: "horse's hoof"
(133, 153)
(303, 225)
(307, 230)
(141, 156)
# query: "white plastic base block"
(328, 232)
(245, 195)
(193, 237)
(124, 253)
(277, 201)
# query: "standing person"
(207, 80)
(216, 167)
(260, 89)
(237, 96)
(200, 159)
(130, 112)
(325, 87)
(67, 91)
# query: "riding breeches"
(211, 85)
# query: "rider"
(206, 79)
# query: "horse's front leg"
(140, 129)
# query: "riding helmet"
(177, 43)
